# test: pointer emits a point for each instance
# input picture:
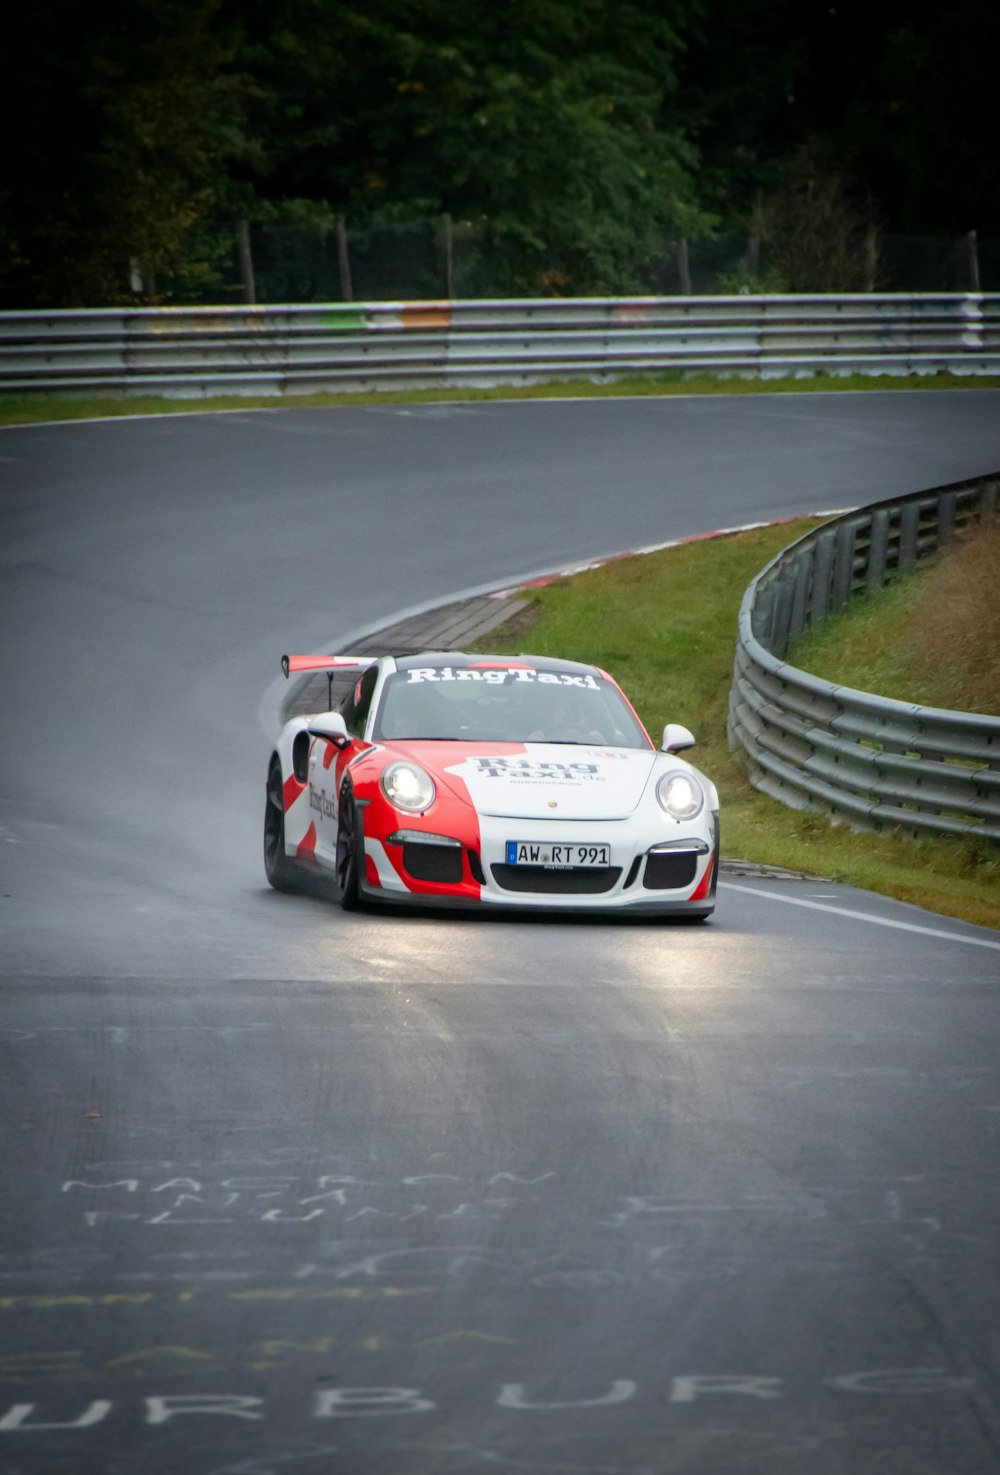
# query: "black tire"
(350, 855)
(281, 872)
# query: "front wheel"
(350, 855)
(281, 872)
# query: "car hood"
(558, 781)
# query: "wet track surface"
(285, 1190)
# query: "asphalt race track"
(288, 1192)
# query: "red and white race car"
(452, 779)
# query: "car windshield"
(516, 704)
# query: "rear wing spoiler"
(330, 664)
(292, 664)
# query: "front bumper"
(656, 866)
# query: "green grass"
(29, 409)
(931, 638)
(869, 647)
(664, 625)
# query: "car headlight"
(680, 795)
(408, 787)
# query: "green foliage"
(136, 120)
(745, 281)
(900, 98)
(545, 125)
(549, 128)
(573, 139)
(814, 235)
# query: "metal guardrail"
(882, 764)
(385, 345)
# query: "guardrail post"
(909, 526)
(843, 566)
(822, 566)
(782, 615)
(763, 615)
(882, 764)
(801, 571)
(878, 544)
(945, 518)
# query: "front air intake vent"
(433, 862)
(669, 870)
(580, 880)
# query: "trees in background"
(552, 124)
(830, 120)
(575, 136)
(123, 126)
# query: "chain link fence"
(431, 259)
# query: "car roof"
(458, 659)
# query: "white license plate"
(528, 853)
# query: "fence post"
(448, 240)
(972, 250)
(344, 262)
(246, 262)
(684, 266)
(871, 258)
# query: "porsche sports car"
(453, 779)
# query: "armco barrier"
(881, 764)
(385, 345)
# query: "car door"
(327, 762)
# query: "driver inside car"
(568, 720)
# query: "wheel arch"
(295, 783)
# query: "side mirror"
(330, 725)
(676, 738)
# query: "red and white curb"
(272, 702)
(582, 568)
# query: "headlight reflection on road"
(557, 953)
(667, 956)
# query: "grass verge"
(28, 409)
(932, 638)
(664, 624)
